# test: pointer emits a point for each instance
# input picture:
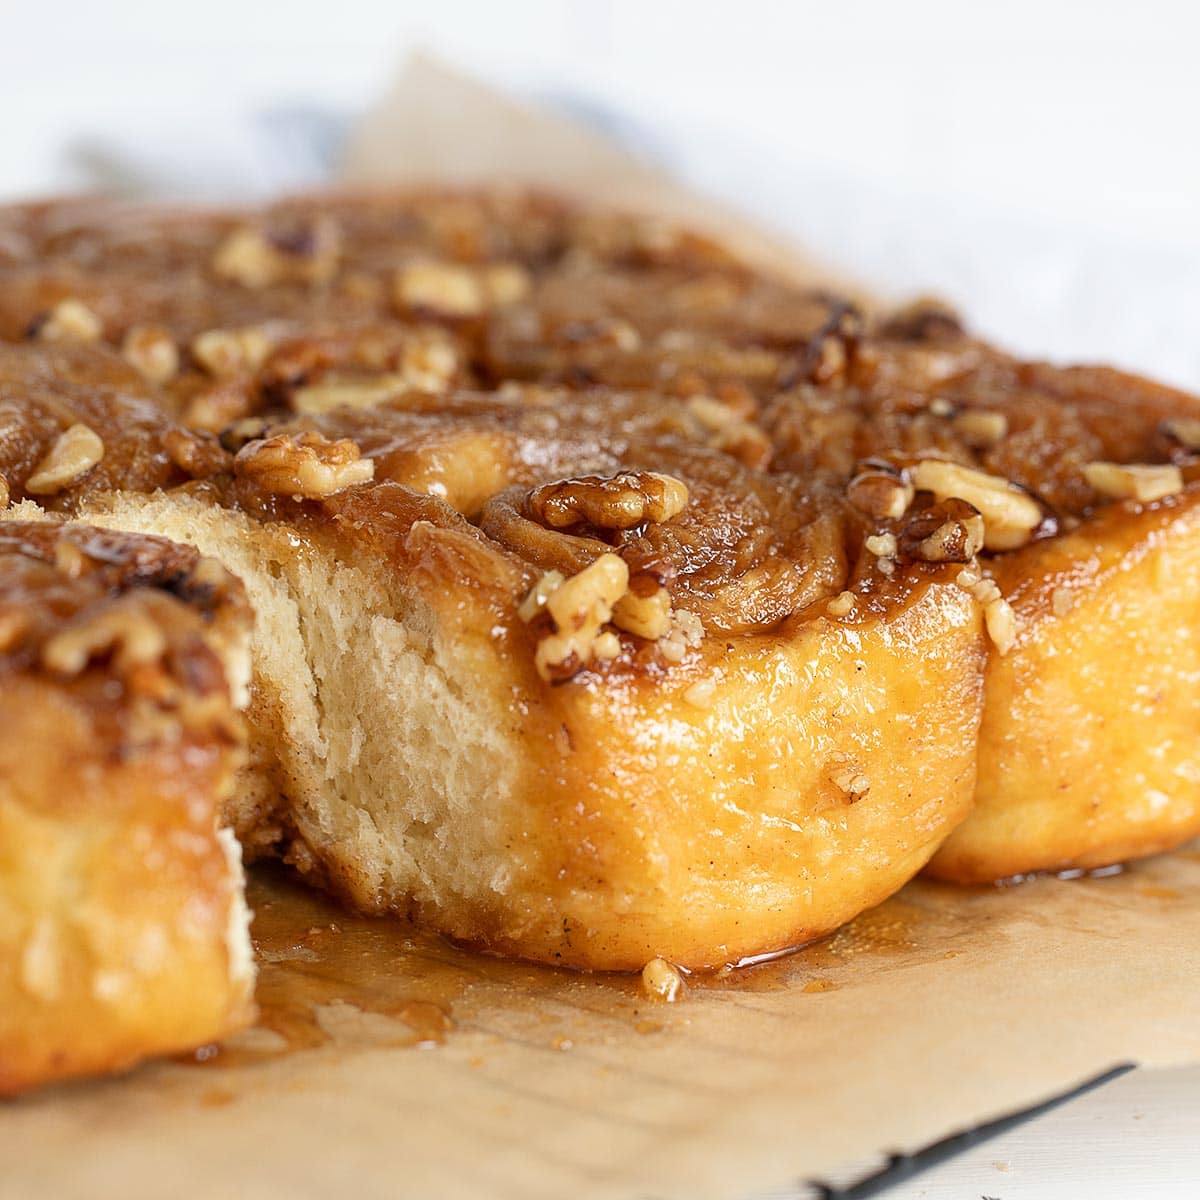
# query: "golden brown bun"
(1089, 753)
(123, 929)
(611, 600)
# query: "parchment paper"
(941, 1010)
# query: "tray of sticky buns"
(551, 579)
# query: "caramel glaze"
(321, 968)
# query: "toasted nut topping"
(646, 612)
(442, 287)
(953, 541)
(880, 495)
(1143, 483)
(506, 283)
(1001, 624)
(980, 428)
(71, 321)
(123, 628)
(305, 465)
(73, 455)
(1185, 431)
(686, 632)
(616, 502)
(949, 531)
(199, 455)
(151, 351)
(579, 606)
(662, 981)
(257, 260)
(842, 605)
(226, 352)
(539, 594)
(882, 545)
(334, 393)
(221, 405)
(1009, 516)
(4, 493)
(607, 646)
(13, 626)
(851, 781)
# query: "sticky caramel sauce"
(330, 978)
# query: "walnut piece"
(644, 610)
(151, 351)
(608, 502)
(446, 288)
(335, 392)
(77, 450)
(124, 628)
(880, 494)
(1121, 481)
(71, 321)
(304, 466)
(257, 259)
(662, 981)
(1185, 431)
(579, 607)
(1009, 515)
(226, 352)
(981, 428)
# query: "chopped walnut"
(980, 428)
(731, 433)
(257, 259)
(883, 545)
(1010, 516)
(226, 352)
(880, 494)
(644, 610)
(198, 455)
(506, 283)
(1120, 481)
(124, 628)
(851, 781)
(304, 466)
(1185, 431)
(579, 607)
(614, 502)
(72, 456)
(217, 407)
(685, 633)
(151, 351)
(333, 392)
(1001, 624)
(70, 321)
(662, 981)
(842, 605)
(541, 591)
(949, 531)
(441, 287)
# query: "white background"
(1037, 162)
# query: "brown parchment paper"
(938, 1011)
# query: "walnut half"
(615, 502)
(305, 466)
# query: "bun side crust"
(123, 929)
(1089, 752)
